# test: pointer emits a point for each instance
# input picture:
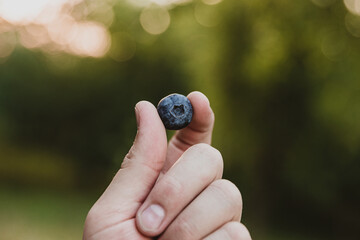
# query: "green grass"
(26, 214)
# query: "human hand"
(151, 197)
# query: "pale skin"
(169, 190)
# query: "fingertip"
(149, 220)
(197, 96)
(143, 105)
(203, 118)
(151, 133)
(146, 113)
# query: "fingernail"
(152, 217)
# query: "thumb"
(150, 145)
(143, 163)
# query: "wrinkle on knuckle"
(181, 143)
(209, 152)
(207, 158)
(229, 193)
(127, 161)
(234, 230)
(150, 166)
(200, 147)
(171, 188)
(182, 229)
(129, 158)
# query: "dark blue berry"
(175, 111)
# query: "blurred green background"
(283, 78)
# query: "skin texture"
(169, 190)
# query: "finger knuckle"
(171, 188)
(212, 155)
(229, 192)
(234, 230)
(183, 229)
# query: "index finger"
(198, 131)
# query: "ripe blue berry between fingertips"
(175, 111)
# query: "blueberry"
(175, 111)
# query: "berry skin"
(175, 111)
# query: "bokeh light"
(7, 44)
(56, 26)
(352, 23)
(23, 12)
(168, 3)
(90, 39)
(206, 15)
(211, 2)
(333, 45)
(353, 6)
(155, 19)
(123, 46)
(80, 27)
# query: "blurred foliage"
(283, 80)
(42, 215)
